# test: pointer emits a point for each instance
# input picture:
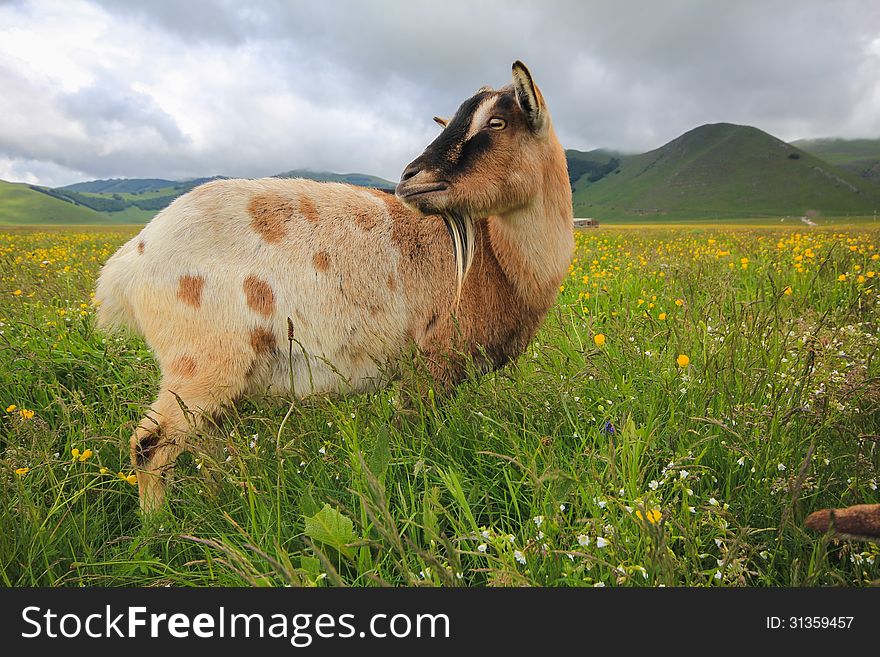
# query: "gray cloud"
(185, 89)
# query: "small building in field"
(587, 222)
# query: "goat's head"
(488, 159)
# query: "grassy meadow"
(696, 391)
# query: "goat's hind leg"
(178, 412)
(156, 443)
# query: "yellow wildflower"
(661, 316)
(842, 277)
(17, 293)
(599, 339)
(787, 290)
(679, 302)
(683, 360)
(21, 472)
(26, 414)
(10, 408)
(653, 515)
(132, 479)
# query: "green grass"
(514, 479)
(841, 151)
(19, 204)
(858, 156)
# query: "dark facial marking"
(437, 154)
(505, 102)
(472, 149)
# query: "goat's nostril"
(410, 172)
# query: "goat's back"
(230, 261)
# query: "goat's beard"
(462, 231)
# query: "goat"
(213, 281)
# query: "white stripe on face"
(481, 116)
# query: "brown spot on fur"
(141, 247)
(189, 290)
(308, 210)
(321, 261)
(263, 341)
(300, 318)
(390, 283)
(366, 216)
(146, 447)
(259, 295)
(183, 366)
(270, 213)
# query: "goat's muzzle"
(417, 185)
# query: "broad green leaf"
(329, 527)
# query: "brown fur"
(858, 520)
(259, 295)
(365, 216)
(390, 283)
(189, 290)
(140, 247)
(263, 341)
(308, 210)
(184, 366)
(321, 261)
(270, 213)
(492, 326)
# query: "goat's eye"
(497, 124)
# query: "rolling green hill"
(723, 170)
(858, 156)
(20, 204)
(123, 200)
(360, 179)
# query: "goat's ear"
(439, 120)
(529, 97)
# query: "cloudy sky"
(180, 89)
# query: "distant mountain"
(720, 171)
(858, 156)
(120, 185)
(359, 179)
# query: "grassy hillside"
(123, 200)
(858, 156)
(592, 165)
(723, 170)
(19, 204)
(360, 179)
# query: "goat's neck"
(533, 244)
